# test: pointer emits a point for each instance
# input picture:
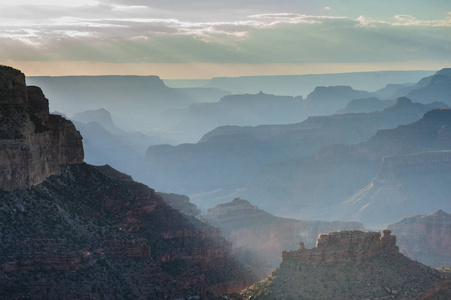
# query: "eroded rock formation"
(351, 265)
(33, 143)
(343, 247)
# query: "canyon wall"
(33, 143)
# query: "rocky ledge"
(33, 143)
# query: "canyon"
(72, 230)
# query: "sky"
(211, 38)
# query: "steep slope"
(350, 265)
(92, 232)
(86, 235)
(426, 238)
(258, 237)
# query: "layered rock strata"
(343, 247)
(33, 143)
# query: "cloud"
(250, 32)
(404, 20)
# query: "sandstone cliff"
(34, 144)
(350, 265)
(426, 238)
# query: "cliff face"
(350, 265)
(34, 144)
(426, 238)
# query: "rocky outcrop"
(33, 143)
(426, 238)
(350, 265)
(343, 247)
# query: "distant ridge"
(304, 84)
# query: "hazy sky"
(206, 38)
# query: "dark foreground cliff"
(351, 265)
(69, 230)
(33, 143)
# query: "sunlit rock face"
(33, 143)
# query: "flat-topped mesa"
(343, 247)
(33, 143)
